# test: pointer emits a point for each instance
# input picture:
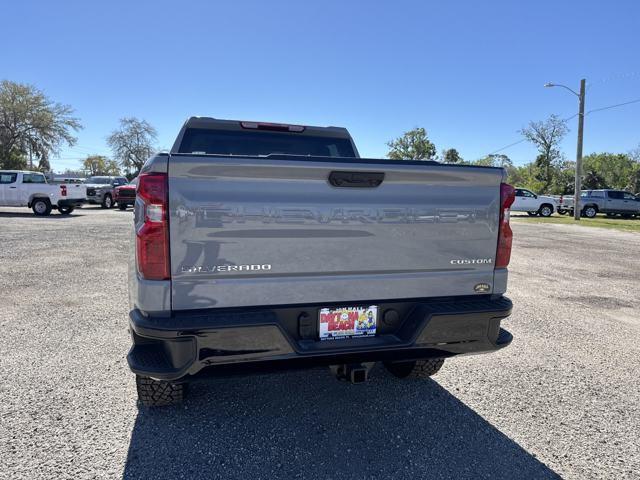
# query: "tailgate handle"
(356, 179)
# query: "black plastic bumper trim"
(239, 340)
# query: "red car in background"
(125, 195)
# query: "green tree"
(452, 156)
(412, 145)
(633, 185)
(546, 135)
(615, 169)
(14, 160)
(100, 165)
(132, 143)
(593, 180)
(32, 126)
(516, 176)
(565, 178)
(494, 160)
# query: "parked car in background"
(21, 188)
(609, 202)
(100, 189)
(527, 201)
(125, 195)
(564, 203)
(57, 178)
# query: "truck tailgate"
(74, 191)
(273, 231)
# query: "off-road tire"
(416, 369)
(107, 203)
(41, 206)
(158, 393)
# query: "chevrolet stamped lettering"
(313, 215)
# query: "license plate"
(348, 322)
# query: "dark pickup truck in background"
(100, 189)
(262, 246)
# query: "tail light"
(63, 190)
(152, 228)
(505, 235)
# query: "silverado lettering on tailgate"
(224, 268)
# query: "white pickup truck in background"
(533, 204)
(19, 188)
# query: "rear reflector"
(152, 232)
(505, 235)
(274, 127)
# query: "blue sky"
(470, 72)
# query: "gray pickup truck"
(609, 202)
(101, 189)
(262, 246)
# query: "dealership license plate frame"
(345, 322)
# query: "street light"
(578, 179)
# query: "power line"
(524, 139)
(614, 106)
(508, 146)
(637, 100)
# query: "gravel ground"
(562, 400)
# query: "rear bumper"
(71, 202)
(228, 341)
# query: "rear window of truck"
(6, 178)
(256, 143)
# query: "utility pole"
(578, 184)
(578, 181)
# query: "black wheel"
(415, 369)
(122, 206)
(545, 210)
(590, 211)
(41, 207)
(65, 210)
(107, 201)
(532, 214)
(157, 393)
